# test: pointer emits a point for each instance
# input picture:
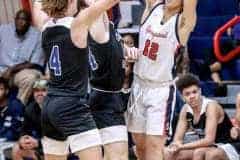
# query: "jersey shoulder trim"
(150, 13)
(65, 22)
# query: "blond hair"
(55, 8)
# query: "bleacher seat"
(208, 88)
(197, 46)
(237, 70)
(211, 15)
(207, 8)
(231, 71)
(207, 26)
(217, 8)
(232, 90)
(227, 7)
(137, 11)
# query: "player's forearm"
(196, 144)
(178, 139)
(188, 20)
(90, 14)
(185, 33)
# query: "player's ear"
(200, 91)
(6, 92)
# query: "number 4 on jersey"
(150, 50)
(54, 61)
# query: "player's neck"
(169, 12)
(3, 102)
(152, 3)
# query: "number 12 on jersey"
(150, 50)
(54, 61)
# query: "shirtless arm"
(181, 127)
(99, 30)
(238, 109)
(85, 19)
(188, 20)
(212, 120)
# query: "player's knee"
(155, 144)
(198, 153)
(167, 155)
(182, 155)
(116, 151)
(214, 154)
(140, 149)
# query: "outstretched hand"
(27, 142)
(173, 148)
(131, 54)
(235, 133)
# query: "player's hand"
(173, 148)
(234, 133)
(131, 54)
(27, 142)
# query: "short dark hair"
(186, 81)
(26, 13)
(4, 82)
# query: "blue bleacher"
(217, 8)
(207, 26)
(211, 16)
(231, 71)
(197, 46)
(207, 8)
(227, 7)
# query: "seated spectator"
(11, 114)
(212, 69)
(236, 119)
(204, 118)
(128, 40)
(229, 151)
(21, 56)
(29, 145)
(229, 69)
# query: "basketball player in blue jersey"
(106, 80)
(163, 28)
(67, 122)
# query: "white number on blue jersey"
(54, 61)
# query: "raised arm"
(188, 20)
(85, 18)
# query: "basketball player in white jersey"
(164, 27)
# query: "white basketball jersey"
(158, 43)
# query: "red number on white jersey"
(151, 49)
